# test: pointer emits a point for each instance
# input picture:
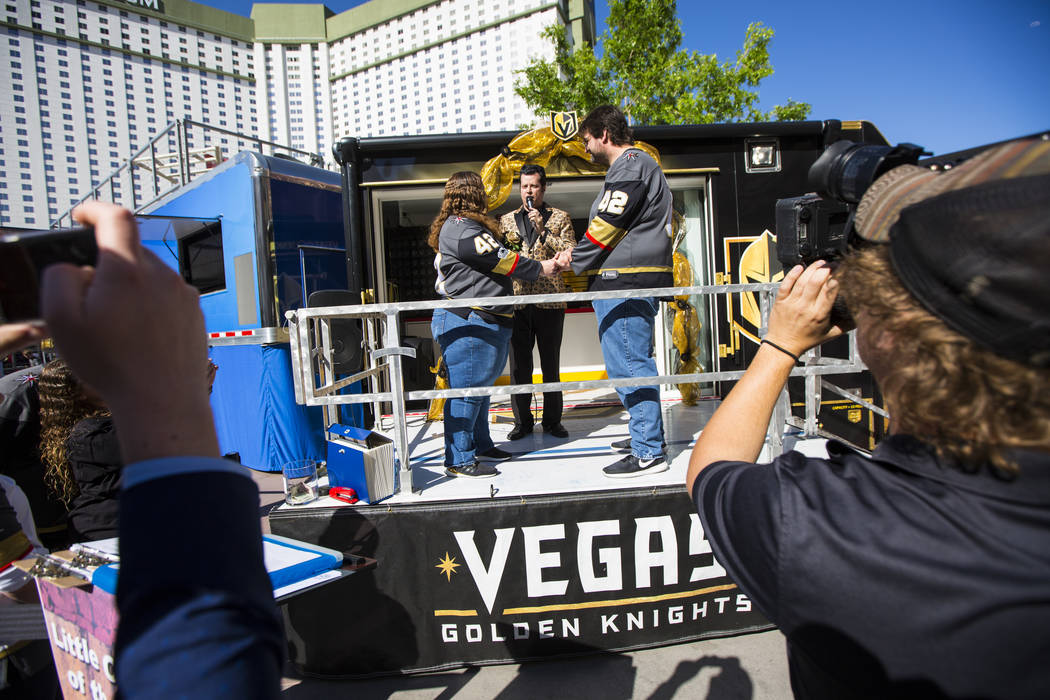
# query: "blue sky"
(944, 75)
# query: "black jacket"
(94, 457)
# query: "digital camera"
(820, 225)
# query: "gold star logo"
(448, 566)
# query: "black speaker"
(347, 354)
(417, 370)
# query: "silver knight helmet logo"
(564, 125)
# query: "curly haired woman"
(471, 261)
(81, 456)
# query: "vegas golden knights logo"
(758, 265)
(564, 125)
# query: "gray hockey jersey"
(628, 241)
(471, 263)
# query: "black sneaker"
(624, 446)
(633, 466)
(494, 454)
(472, 471)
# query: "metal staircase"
(172, 158)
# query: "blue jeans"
(625, 328)
(475, 353)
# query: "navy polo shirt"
(894, 575)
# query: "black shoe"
(631, 466)
(624, 446)
(519, 432)
(494, 454)
(472, 471)
(557, 430)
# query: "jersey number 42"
(613, 202)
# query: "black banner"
(508, 579)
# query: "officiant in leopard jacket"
(538, 231)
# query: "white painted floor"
(543, 464)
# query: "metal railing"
(311, 351)
(175, 156)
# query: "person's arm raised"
(133, 330)
(15, 336)
(800, 320)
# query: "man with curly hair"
(539, 232)
(922, 570)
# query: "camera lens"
(846, 169)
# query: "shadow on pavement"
(316, 689)
(609, 676)
(731, 683)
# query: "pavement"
(744, 667)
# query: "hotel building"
(86, 83)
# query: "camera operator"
(924, 569)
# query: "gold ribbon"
(685, 329)
(540, 147)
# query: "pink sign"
(82, 625)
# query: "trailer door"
(400, 217)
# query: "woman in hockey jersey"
(471, 261)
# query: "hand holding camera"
(819, 226)
(132, 329)
(801, 317)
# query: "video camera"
(812, 227)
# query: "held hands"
(801, 315)
(563, 258)
(549, 268)
(555, 265)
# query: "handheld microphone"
(543, 231)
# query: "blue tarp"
(255, 413)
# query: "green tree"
(642, 68)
